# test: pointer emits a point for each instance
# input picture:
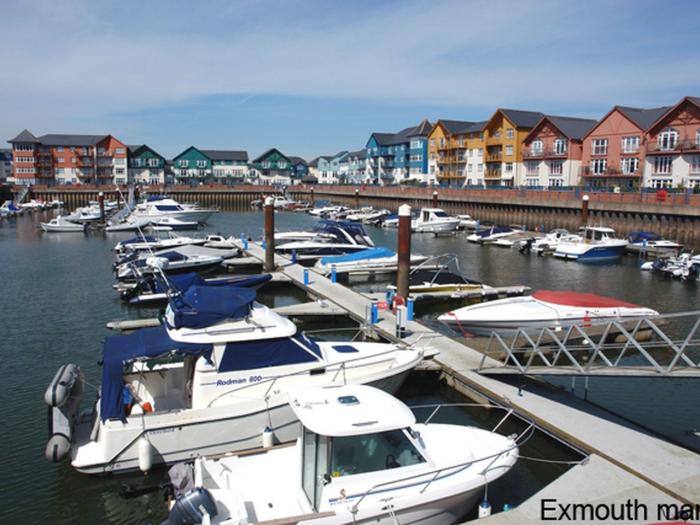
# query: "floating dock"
(625, 462)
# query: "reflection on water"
(57, 297)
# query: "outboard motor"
(189, 509)
(63, 396)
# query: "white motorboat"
(650, 243)
(33, 205)
(366, 215)
(61, 224)
(441, 280)
(85, 214)
(170, 261)
(175, 224)
(150, 243)
(9, 209)
(466, 222)
(219, 241)
(127, 225)
(543, 309)
(333, 238)
(208, 381)
(548, 243)
(360, 458)
(685, 266)
(158, 209)
(434, 220)
(515, 239)
(597, 244)
(491, 234)
(371, 260)
(280, 202)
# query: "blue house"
(394, 157)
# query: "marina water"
(57, 298)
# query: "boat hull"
(590, 253)
(185, 439)
(436, 227)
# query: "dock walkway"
(655, 465)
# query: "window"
(60, 159)
(183, 163)
(667, 139)
(629, 165)
(416, 144)
(661, 183)
(599, 147)
(480, 168)
(532, 182)
(560, 147)
(266, 164)
(662, 165)
(598, 166)
(59, 149)
(59, 171)
(120, 150)
(695, 164)
(461, 141)
(697, 138)
(201, 163)
(509, 167)
(432, 143)
(119, 171)
(442, 141)
(24, 147)
(532, 167)
(497, 134)
(630, 144)
(537, 146)
(556, 182)
(469, 168)
(351, 455)
(281, 164)
(510, 133)
(416, 158)
(509, 150)
(73, 160)
(556, 167)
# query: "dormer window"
(668, 139)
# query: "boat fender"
(61, 386)
(484, 509)
(267, 437)
(145, 451)
(189, 509)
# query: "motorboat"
(209, 380)
(175, 224)
(217, 240)
(543, 309)
(650, 243)
(170, 261)
(548, 243)
(33, 205)
(515, 239)
(127, 225)
(441, 280)
(434, 220)
(366, 215)
(154, 288)
(360, 457)
(85, 214)
(597, 244)
(9, 209)
(280, 202)
(371, 260)
(61, 224)
(391, 221)
(158, 209)
(685, 266)
(333, 238)
(142, 243)
(466, 222)
(491, 234)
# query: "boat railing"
(442, 472)
(442, 262)
(327, 367)
(658, 345)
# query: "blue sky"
(313, 77)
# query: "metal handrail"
(518, 441)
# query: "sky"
(315, 77)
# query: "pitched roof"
(220, 154)
(297, 160)
(60, 139)
(644, 118)
(24, 136)
(455, 126)
(692, 100)
(140, 148)
(421, 130)
(341, 154)
(573, 128)
(269, 152)
(360, 154)
(384, 139)
(522, 119)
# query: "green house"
(146, 166)
(275, 165)
(192, 165)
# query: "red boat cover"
(583, 300)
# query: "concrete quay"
(626, 461)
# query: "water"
(57, 298)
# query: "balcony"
(494, 157)
(681, 146)
(586, 171)
(493, 174)
(544, 154)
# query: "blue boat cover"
(153, 198)
(250, 355)
(134, 240)
(121, 350)
(167, 207)
(201, 306)
(354, 229)
(643, 236)
(495, 229)
(372, 253)
(183, 281)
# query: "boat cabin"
(353, 430)
(432, 214)
(597, 233)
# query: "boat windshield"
(440, 214)
(352, 455)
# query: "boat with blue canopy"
(212, 379)
(372, 260)
(332, 238)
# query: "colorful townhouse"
(68, 159)
(456, 153)
(503, 138)
(339, 167)
(146, 166)
(320, 168)
(553, 149)
(357, 166)
(672, 147)
(394, 157)
(194, 166)
(614, 148)
(6, 165)
(273, 167)
(300, 168)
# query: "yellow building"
(455, 150)
(504, 134)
